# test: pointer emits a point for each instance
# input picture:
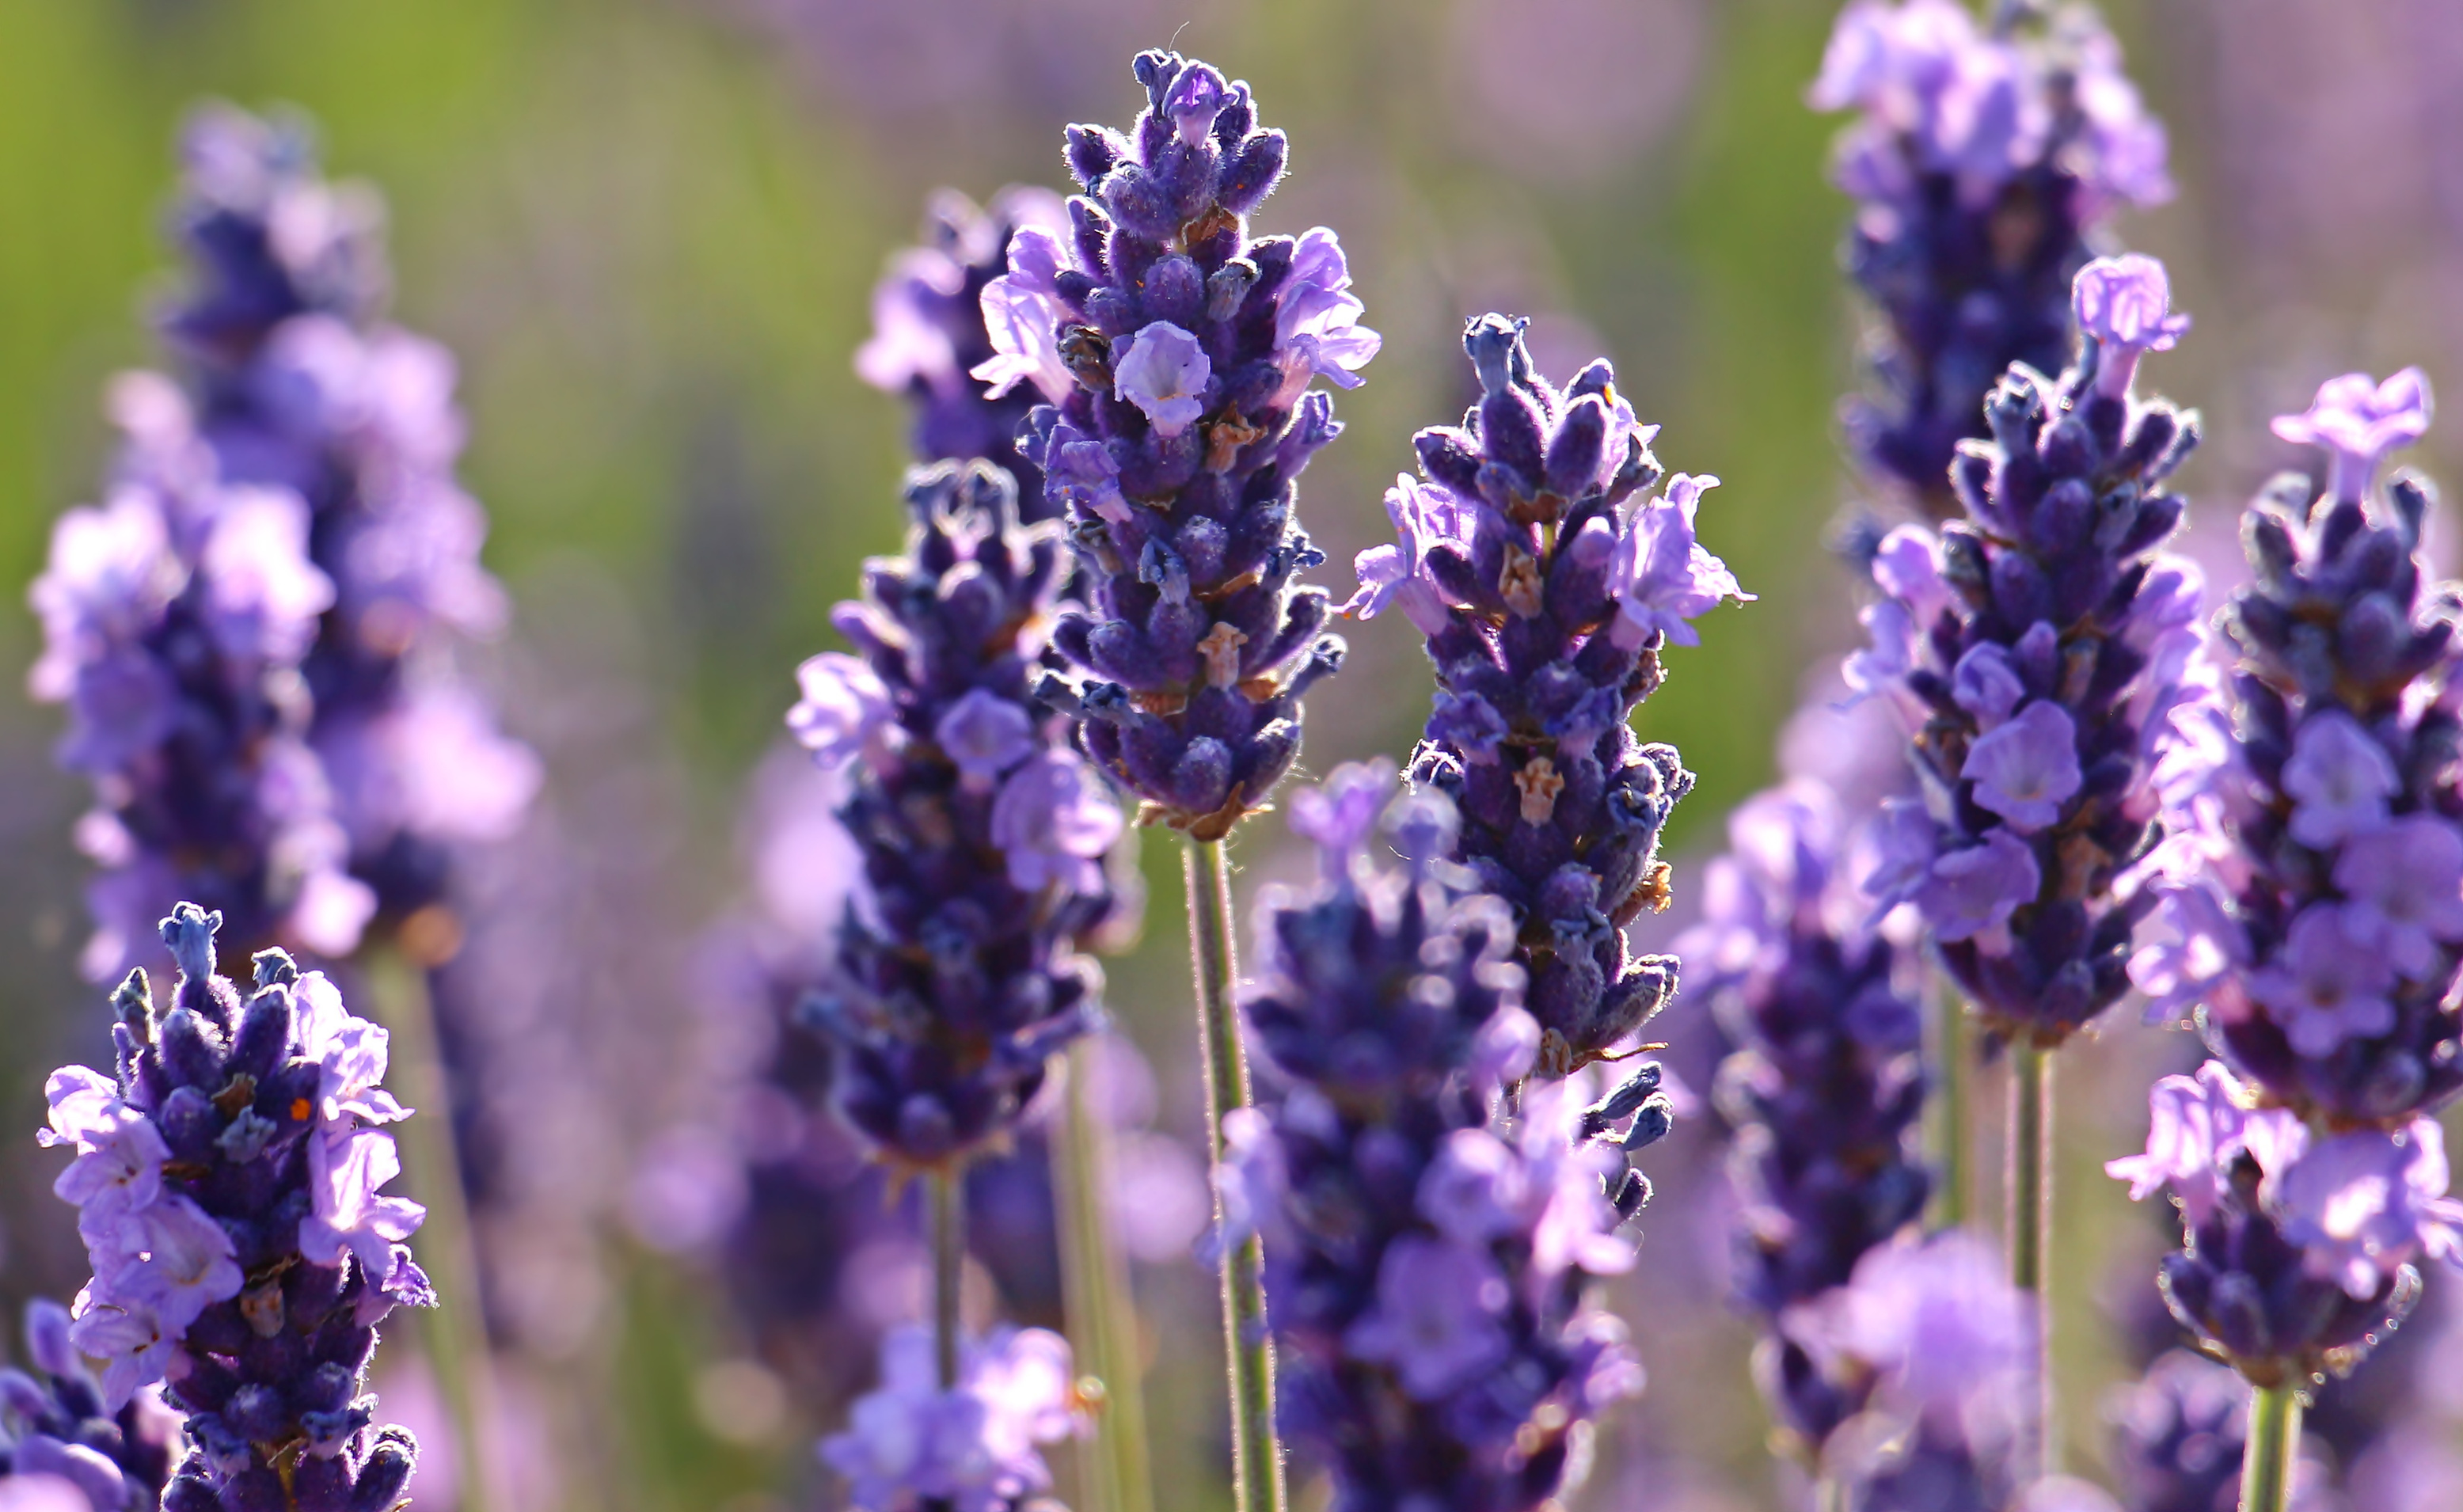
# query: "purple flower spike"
(1984, 165)
(910, 1445)
(248, 1264)
(981, 840)
(1338, 817)
(2040, 651)
(2358, 422)
(1178, 353)
(2309, 886)
(1421, 1251)
(1546, 578)
(2122, 302)
(2297, 1248)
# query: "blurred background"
(649, 228)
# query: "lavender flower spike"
(929, 336)
(300, 383)
(2299, 1247)
(1180, 354)
(1824, 1090)
(1427, 1263)
(228, 1183)
(2307, 892)
(2040, 648)
(981, 834)
(1546, 580)
(1985, 167)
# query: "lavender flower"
(2307, 892)
(929, 336)
(911, 1446)
(1940, 1346)
(59, 1435)
(2040, 648)
(957, 981)
(228, 1185)
(301, 384)
(1546, 582)
(1984, 167)
(1180, 354)
(2299, 1247)
(175, 614)
(1426, 1263)
(1824, 1088)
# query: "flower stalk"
(2272, 1447)
(2029, 1197)
(949, 1200)
(1256, 1459)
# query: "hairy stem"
(1103, 1312)
(2273, 1444)
(455, 1332)
(948, 1198)
(1256, 1459)
(2029, 1191)
(1953, 1132)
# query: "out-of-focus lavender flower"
(1984, 165)
(2307, 891)
(228, 1189)
(299, 383)
(957, 979)
(1942, 1346)
(1824, 1088)
(2299, 1247)
(1180, 354)
(2039, 649)
(174, 616)
(1546, 580)
(929, 336)
(60, 1439)
(1425, 1262)
(911, 1446)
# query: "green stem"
(1952, 1135)
(454, 1332)
(2030, 1195)
(1829, 1494)
(1102, 1311)
(1256, 1459)
(948, 1185)
(2273, 1448)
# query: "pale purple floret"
(1317, 323)
(2026, 769)
(1020, 315)
(1984, 685)
(1970, 894)
(2364, 1203)
(984, 735)
(845, 711)
(2404, 890)
(910, 1445)
(2338, 779)
(2196, 1125)
(1939, 1320)
(1053, 821)
(2358, 422)
(1424, 516)
(1340, 816)
(1663, 577)
(1436, 1320)
(2123, 305)
(1163, 372)
(2330, 982)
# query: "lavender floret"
(1426, 1262)
(57, 1428)
(2308, 894)
(911, 1446)
(981, 858)
(2040, 648)
(1546, 581)
(1985, 166)
(1825, 1087)
(929, 336)
(1180, 352)
(229, 1188)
